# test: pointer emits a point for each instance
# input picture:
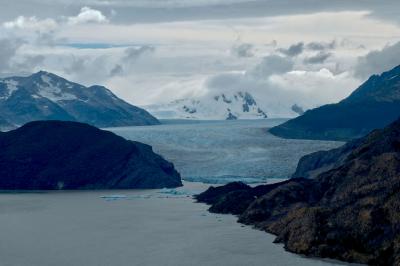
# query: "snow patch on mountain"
(225, 106)
(54, 93)
(11, 87)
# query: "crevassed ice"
(226, 151)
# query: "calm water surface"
(119, 228)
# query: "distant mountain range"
(223, 106)
(375, 104)
(45, 96)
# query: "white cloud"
(88, 15)
(31, 23)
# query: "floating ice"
(225, 179)
(113, 197)
(176, 192)
(163, 193)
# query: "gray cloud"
(30, 62)
(133, 53)
(87, 70)
(77, 65)
(376, 62)
(273, 64)
(117, 70)
(293, 50)
(319, 46)
(227, 81)
(243, 50)
(319, 58)
(99, 67)
(254, 78)
(8, 49)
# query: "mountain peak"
(47, 96)
(43, 73)
(40, 73)
(375, 104)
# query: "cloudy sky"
(308, 52)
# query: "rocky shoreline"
(349, 211)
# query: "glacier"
(224, 151)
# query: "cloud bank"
(151, 52)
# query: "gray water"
(224, 151)
(119, 228)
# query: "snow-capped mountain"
(45, 96)
(229, 106)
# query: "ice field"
(223, 151)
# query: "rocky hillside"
(375, 104)
(5, 125)
(69, 155)
(45, 96)
(311, 165)
(349, 211)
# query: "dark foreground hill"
(375, 104)
(349, 211)
(69, 155)
(45, 96)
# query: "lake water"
(158, 227)
(119, 228)
(223, 151)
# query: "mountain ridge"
(375, 104)
(46, 96)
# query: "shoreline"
(147, 227)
